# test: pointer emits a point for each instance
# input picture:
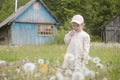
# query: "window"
(45, 30)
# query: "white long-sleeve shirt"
(78, 44)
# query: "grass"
(109, 54)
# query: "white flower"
(59, 76)
(99, 65)
(92, 74)
(78, 76)
(96, 60)
(53, 78)
(18, 70)
(5, 78)
(105, 78)
(41, 61)
(29, 67)
(68, 72)
(2, 62)
(89, 58)
(47, 62)
(69, 57)
(86, 71)
(37, 75)
(67, 78)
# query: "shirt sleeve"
(67, 38)
(86, 45)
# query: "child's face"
(77, 27)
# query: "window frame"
(45, 31)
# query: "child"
(78, 43)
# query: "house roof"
(13, 16)
(106, 23)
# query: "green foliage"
(95, 12)
(8, 8)
(59, 37)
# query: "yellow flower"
(43, 68)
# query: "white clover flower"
(41, 61)
(99, 65)
(69, 57)
(53, 78)
(29, 67)
(2, 62)
(78, 76)
(96, 60)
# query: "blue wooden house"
(33, 23)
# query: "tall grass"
(109, 54)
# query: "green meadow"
(108, 53)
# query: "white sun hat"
(77, 19)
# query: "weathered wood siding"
(24, 29)
(112, 30)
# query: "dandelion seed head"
(105, 78)
(59, 76)
(68, 72)
(29, 67)
(2, 62)
(99, 65)
(69, 57)
(53, 78)
(92, 74)
(78, 76)
(96, 60)
(41, 61)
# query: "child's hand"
(72, 32)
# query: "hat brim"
(76, 21)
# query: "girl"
(78, 44)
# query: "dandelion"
(59, 76)
(47, 62)
(29, 67)
(88, 58)
(99, 65)
(86, 71)
(5, 78)
(18, 70)
(43, 68)
(96, 60)
(92, 74)
(2, 62)
(53, 78)
(68, 72)
(41, 61)
(37, 75)
(105, 78)
(78, 76)
(69, 57)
